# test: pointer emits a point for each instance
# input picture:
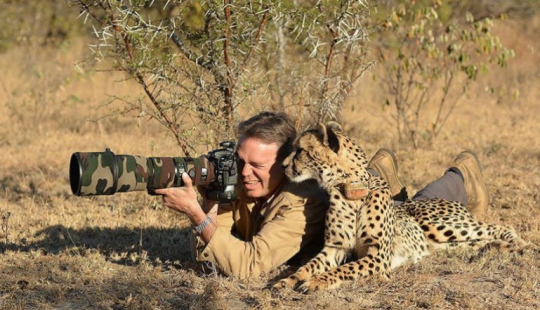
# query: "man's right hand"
(181, 199)
(184, 199)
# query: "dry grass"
(127, 251)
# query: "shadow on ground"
(116, 244)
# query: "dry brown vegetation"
(58, 251)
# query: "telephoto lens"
(105, 173)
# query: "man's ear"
(332, 131)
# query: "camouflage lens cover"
(163, 172)
(104, 173)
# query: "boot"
(471, 170)
(385, 165)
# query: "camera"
(105, 173)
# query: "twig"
(5, 226)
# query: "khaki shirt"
(250, 243)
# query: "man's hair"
(270, 127)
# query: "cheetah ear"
(327, 135)
(332, 131)
(321, 134)
(334, 126)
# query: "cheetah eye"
(297, 155)
(289, 159)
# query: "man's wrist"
(209, 205)
(199, 228)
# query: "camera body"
(225, 166)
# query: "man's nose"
(246, 170)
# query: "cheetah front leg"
(338, 241)
(368, 265)
(374, 237)
(329, 258)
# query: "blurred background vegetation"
(202, 64)
(27, 22)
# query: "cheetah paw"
(312, 285)
(284, 283)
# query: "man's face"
(261, 173)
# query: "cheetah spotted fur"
(370, 229)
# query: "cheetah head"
(326, 155)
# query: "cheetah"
(362, 222)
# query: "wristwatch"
(199, 228)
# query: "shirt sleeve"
(279, 239)
(225, 223)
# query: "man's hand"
(184, 199)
